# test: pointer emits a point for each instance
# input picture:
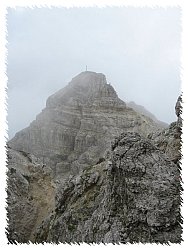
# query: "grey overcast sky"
(138, 49)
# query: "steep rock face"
(77, 125)
(132, 196)
(30, 195)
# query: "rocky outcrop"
(133, 196)
(77, 126)
(30, 195)
(178, 107)
(169, 139)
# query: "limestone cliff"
(79, 121)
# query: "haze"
(138, 49)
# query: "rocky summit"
(77, 126)
(92, 169)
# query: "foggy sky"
(138, 49)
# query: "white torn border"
(183, 4)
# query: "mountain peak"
(88, 78)
(78, 124)
(90, 74)
(85, 87)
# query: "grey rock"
(178, 107)
(67, 181)
(30, 196)
(136, 199)
(169, 139)
(77, 126)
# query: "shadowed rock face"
(77, 125)
(132, 197)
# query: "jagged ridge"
(132, 197)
